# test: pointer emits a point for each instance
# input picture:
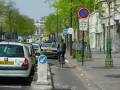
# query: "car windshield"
(53, 45)
(11, 51)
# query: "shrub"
(78, 56)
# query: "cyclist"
(62, 51)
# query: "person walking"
(62, 50)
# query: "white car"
(15, 61)
(50, 49)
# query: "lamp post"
(70, 35)
(109, 60)
(57, 24)
(57, 21)
(1, 27)
(0, 31)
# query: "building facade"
(100, 25)
(39, 24)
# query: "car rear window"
(53, 45)
(35, 46)
(11, 51)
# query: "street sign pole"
(83, 13)
(83, 49)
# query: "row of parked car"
(20, 59)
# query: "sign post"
(83, 14)
(42, 70)
(70, 32)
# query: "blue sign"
(42, 59)
(65, 31)
(83, 13)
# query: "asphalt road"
(16, 84)
(65, 78)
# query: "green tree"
(25, 25)
(14, 21)
(64, 7)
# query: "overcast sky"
(34, 8)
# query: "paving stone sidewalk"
(96, 74)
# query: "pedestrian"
(62, 50)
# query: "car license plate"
(7, 62)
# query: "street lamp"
(108, 60)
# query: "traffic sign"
(70, 30)
(83, 24)
(83, 13)
(65, 31)
(42, 59)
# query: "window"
(11, 51)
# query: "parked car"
(37, 49)
(32, 53)
(15, 61)
(50, 49)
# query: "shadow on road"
(11, 81)
(72, 67)
(115, 67)
(113, 75)
(63, 89)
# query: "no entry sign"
(83, 13)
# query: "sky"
(35, 9)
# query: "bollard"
(42, 70)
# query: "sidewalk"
(94, 73)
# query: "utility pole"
(57, 24)
(0, 31)
(70, 35)
(10, 23)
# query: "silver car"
(50, 50)
(15, 61)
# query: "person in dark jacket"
(62, 50)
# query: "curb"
(50, 77)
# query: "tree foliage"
(13, 21)
(65, 7)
